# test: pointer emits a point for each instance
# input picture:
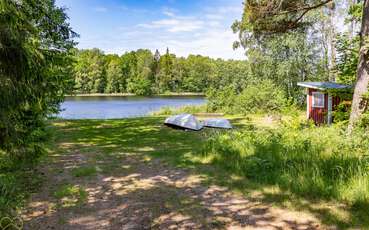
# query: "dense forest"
(143, 73)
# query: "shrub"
(264, 96)
(221, 99)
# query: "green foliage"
(89, 71)
(263, 96)
(35, 42)
(35, 73)
(342, 112)
(15, 187)
(222, 99)
(264, 18)
(114, 74)
(347, 59)
(308, 161)
(70, 195)
(140, 86)
(142, 73)
(285, 60)
(355, 13)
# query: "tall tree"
(114, 75)
(166, 74)
(359, 103)
(90, 71)
(156, 70)
(332, 42)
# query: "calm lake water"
(121, 107)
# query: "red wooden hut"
(320, 103)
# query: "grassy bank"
(289, 165)
(320, 165)
(193, 109)
(131, 94)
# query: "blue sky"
(185, 26)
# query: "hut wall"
(319, 115)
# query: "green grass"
(15, 188)
(17, 180)
(70, 195)
(183, 109)
(84, 171)
(318, 170)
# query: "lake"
(106, 107)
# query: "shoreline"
(131, 94)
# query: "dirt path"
(134, 192)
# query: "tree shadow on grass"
(116, 140)
(157, 197)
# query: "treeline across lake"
(142, 72)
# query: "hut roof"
(323, 85)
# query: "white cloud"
(100, 9)
(168, 12)
(177, 24)
(214, 16)
(206, 32)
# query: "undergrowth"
(313, 162)
(18, 175)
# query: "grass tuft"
(70, 195)
(84, 171)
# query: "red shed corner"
(320, 103)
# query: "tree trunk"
(332, 45)
(352, 25)
(361, 87)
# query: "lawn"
(85, 151)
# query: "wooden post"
(329, 109)
(307, 103)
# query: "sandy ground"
(133, 192)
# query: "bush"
(312, 162)
(264, 96)
(221, 99)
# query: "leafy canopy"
(268, 17)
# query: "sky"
(184, 26)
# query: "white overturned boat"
(218, 123)
(184, 121)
